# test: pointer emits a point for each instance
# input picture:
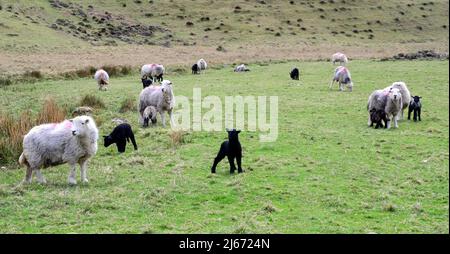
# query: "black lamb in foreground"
(378, 117)
(232, 149)
(195, 69)
(146, 82)
(120, 135)
(295, 74)
(416, 106)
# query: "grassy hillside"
(43, 34)
(327, 172)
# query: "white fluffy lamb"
(343, 77)
(339, 57)
(153, 71)
(202, 65)
(406, 95)
(102, 78)
(160, 97)
(241, 68)
(388, 100)
(71, 141)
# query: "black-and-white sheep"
(202, 65)
(160, 97)
(155, 72)
(415, 106)
(241, 68)
(195, 69)
(343, 77)
(71, 141)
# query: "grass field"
(326, 173)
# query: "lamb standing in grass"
(149, 114)
(202, 65)
(241, 68)
(102, 78)
(339, 57)
(71, 141)
(161, 97)
(342, 76)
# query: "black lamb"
(146, 82)
(195, 69)
(378, 117)
(416, 106)
(232, 149)
(120, 135)
(295, 74)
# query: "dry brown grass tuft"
(127, 105)
(92, 101)
(176, 137)
(50, 113)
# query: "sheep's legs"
(395, 118)
(331, 84)
(28, 175)
(369, 122)
(39, 177)
(163, 119)
(218, 158)
(72, 174)
(238, 160)
(232, 166)
(418, 113)
(172, 124)
(83, 169)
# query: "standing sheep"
(415, 106)
(161, 97)
(154, 72)
(406, 95)
(394, 104)
(202, 64)
(102, 78)
(342, 76)
(149, 114)
(195, 69)
(71, 141)
(339, 57)
(295, 73)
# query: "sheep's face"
(81, 125)
(394, 94)
(233, 135)
(107, 140)
(416, 98)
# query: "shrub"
(50, 113)
(11, 135)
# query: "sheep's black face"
(107, 140)
(416, 98)
(233, 135)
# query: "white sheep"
(71, 141)
(149, 114)
(406, 95)
(153, 71)
(343, 77)
(161, 97)
(339, 57)
(102, 78)
(202, 65)
(241, 68)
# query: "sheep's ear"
(162, 90)
(420, 97)
(239, 131)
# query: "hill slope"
(263, 26)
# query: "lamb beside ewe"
(102, 78)
(342, 76)
(415, 106)
(388, 100)
(202, 64)
(339, 57)
(149, 114)
(160, 97)
(71, 141)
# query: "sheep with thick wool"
(343, 77)
(102, 78)
(339, 57)
(388, 100)
(71, 141)
(406, 95)
(202, 65)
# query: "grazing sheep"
(120, 135)
(406, 95)
(202, 64)
(161, 97)
(339, 57)
(154, 72)
(71, 141)
(79, 111)
(232, 149)
(118, 121)
(295, 73)
(416, 106)
(378, 117)
(377, 101)
(195, 69)
(102, 78)
(342, 76)
(149, 114)
(241, 68)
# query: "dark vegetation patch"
(420, 55)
